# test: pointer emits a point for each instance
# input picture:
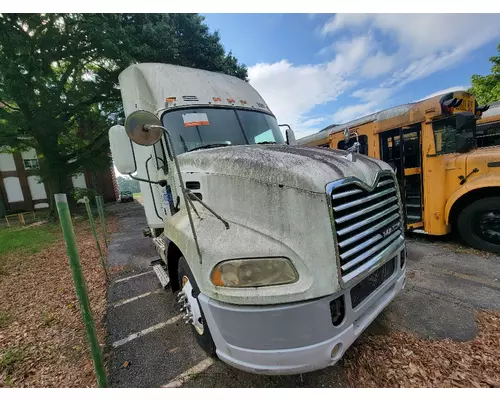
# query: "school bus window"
(445, 135)
(363, 144)
(488, 136)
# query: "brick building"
(21, 189)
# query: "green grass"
(137, 195)
(10, 357)
(28, 239)
(5, 319)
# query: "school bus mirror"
(464, 143)
(465, 120)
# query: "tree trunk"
(59, 183)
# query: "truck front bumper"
(293, 338)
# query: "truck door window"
(161, 160)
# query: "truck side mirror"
(142, 127)
(290, 137)
(121, 150)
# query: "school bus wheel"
(479, 224)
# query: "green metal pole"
(94, 232)
(80, 287)
(99, 200)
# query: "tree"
(487, 88)
(128, 185)
(59, 76)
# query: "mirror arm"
(192, 196)
(162, 182)
(290, 128)
(187, 201)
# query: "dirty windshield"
(211, 127)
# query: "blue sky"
(317, 69)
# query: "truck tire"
(479, 224)
(190, 290)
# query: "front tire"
(479, 224)
(190, 291)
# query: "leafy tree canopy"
(59, 79)
(487, 88)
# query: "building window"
(31, 163)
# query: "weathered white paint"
(273, 196)
(146, 87)
(79, 181)
(29, 155)
(7, 162)
(13, 189)
(37, 188)
(41, 205)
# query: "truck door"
(401, 149)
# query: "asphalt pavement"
(152, 347)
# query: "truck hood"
(305, 168)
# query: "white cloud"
(292, 91)
(378, 65)
(372, 94)
(425, 43)
(341, 21)
(418, 46)
(346, 114)
(448, 90)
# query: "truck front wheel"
(191, 309)
(479, 224)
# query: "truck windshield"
(196, 128)
(445, 133)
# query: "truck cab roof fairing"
(147, 86)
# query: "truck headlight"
(254, 272)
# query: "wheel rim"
(190, 307)
(486, 226)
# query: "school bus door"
(401, 149)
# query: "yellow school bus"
(447, 181)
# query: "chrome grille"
(367, 223)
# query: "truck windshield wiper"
(266, 143)
(210, 146)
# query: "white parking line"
(153, 328)
(122, 302)
(133, 276)
(187, 375)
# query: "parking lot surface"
(152, 347)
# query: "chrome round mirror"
(138, 128)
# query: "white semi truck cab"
(280, 255)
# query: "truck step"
(162, 275)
